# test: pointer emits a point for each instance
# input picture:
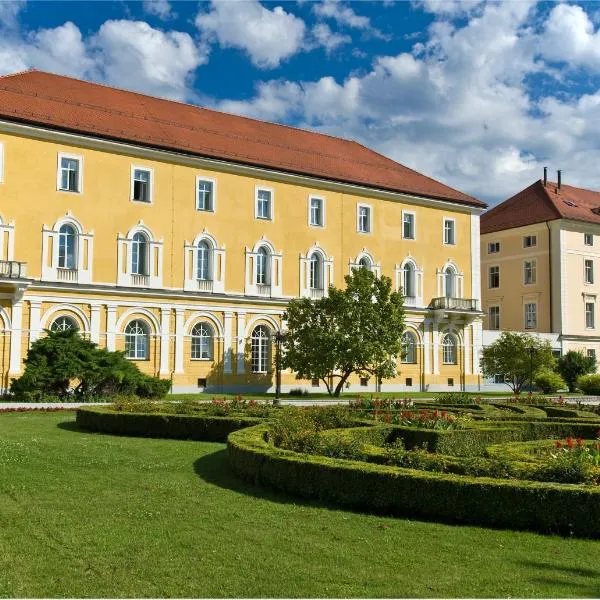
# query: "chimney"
(559, 179)
(545, 176)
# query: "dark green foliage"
(65, 365)
(451, 398)
(353, 330)
(589, 384)
(573, 365)
(549, 382)
(187, 427)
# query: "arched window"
(64, 323)
(139, 254)
(262, 266)
(408, 280)
(450, 279)
(67, 247)
(202, 341)
(204, 261)
(137, 340)
(450, 350)
(261, 344)
(365, 263)
(409, 345)
(316, 271)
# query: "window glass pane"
(202, 334)
(262, 266)
(136, 340)
(141, 185)
(260, 349)
(63, 324)
(69, 176)
(316, 211)
(205, 195)
(264, 204)
(139, 254)
(316, 271)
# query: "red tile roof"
(539, 203)
(68, 104)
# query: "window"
(316, 216)
(529, 272)
(450, 381)
(409, 347)
(139, 254)
(494, 277)
(408, 280)
(202, 382)
(365, 263)
(64, 324)
(494, 317)
(588, 239)
(589, 315)
(499, 378)
(67, 244)
(204, 261)
(137, 340)
(205, 194)
(589, 270)
(408, 225)
(69, 173)
(364, 381)
(314, 382)
(364, 219)
(316, 271)
(262, 266)
(591, 353)
(261, 342)
(264, 201)
(408, 382)
(493, 247)
(530, 315)
(202, 338)
(449, 282)
(450, 350)
(141, 185)
(449, 232)
(529, 241)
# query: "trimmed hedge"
(185, 427)
(553, 411)
(545, 507)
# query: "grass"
(90, 515)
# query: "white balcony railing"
(410, 301)
(316, 293)
(11, 269)
(263, 289)
(445, 303)
(140, 280)
(204, 285)
(66, 274)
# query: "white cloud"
(342, 14)
(267, 36)
(9, 13)
(448, 8)
(159, 8)
(329, 39)
(134, 55)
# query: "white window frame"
(310, 199)
(213, 207)
(533, 267)
(453, 221)
(587, 281)
(490, 277)
(150, 170)
(593, 314)
(585, 238)
(533, 241)
(79, 159)
(493, 245)
(591, 352)
(496, 306)
(535, 325)
(414, 224)
(262, 188)
(360, 205)
(211, 340)
(1, 162)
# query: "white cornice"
(96, 143)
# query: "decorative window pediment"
(139, 258)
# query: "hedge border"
(159, 425)
(544, 507)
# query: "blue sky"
(480, 95)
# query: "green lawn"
(88, 515)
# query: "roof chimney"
(545, 176)
(559, 179)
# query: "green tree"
(518, 356)
(573, 365)
(357, 329)
(64, 364)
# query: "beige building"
(540, 266)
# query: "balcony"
(263, 289)
(410, 301)
(140, 280)
(316, 293)
(204, 285)
(66, 274)
(445, 303)
(11, 269)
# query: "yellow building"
(540, 252)
(178, 234)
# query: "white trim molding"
(149, 170)
(216, 282)
(354, 263)
(154, 277)
(79, 160)
(274, 286)
(399, 270)
(327, 275)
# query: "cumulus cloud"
(342, 14)
(328, 39)
(159, 8)
(267, 36)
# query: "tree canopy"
(357, 329)
(517, 356)
(64, 364)
(573, 365)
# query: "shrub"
(298, 392)
(574, 364)
(589, 384)
(549, 381)
(448, 398)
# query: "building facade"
(540, 255)
(179, 234)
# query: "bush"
(298, 392)
(549, 381)
(573, 365)
(589, 384)
(448, 398)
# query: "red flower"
(558, 444)
(570, 442)
(580, 441)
